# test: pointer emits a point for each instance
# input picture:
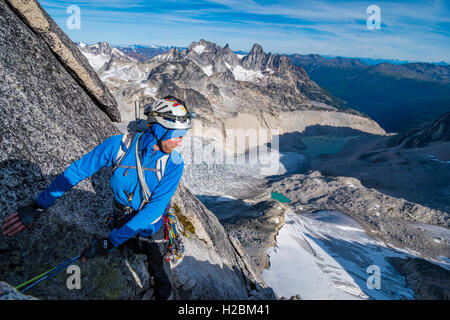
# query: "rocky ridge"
(49, 105)
(226, 89)
(433, 131)
(35, 17)
(415, 70)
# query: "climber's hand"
(98, 247)
(20, 220)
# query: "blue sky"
(410, 30)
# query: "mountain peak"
(202, 43)
(256, 50)
(172, 55)
(227, 50)
(105, 46)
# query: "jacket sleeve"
(101, 156)
(154, 209)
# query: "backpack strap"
(134, 167)
(160, 169)
(125, 143)
(161, 166)
(146, 194)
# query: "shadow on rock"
(215, 282)
(292, 149)
(58, 234)
(224, 208)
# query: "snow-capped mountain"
(145, 52)
(227, 89)
(100, 53)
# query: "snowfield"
(207, 70)
(199, 48)
(326, 255)
(242, 74)
(125, 73)
(96, 60)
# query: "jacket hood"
(159, 132)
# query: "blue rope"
(53, 273)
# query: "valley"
(341, 183)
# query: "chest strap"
(134, 167)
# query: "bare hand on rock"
(20, 220)
(12, 224)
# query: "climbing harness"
(175, 246)
(46, 275)
(121, 214)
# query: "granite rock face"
(215, 265)
(433, 131)
(32, 14)
(8, 292)
(428, 280)
(48, 121)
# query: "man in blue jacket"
(146, 173)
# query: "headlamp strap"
(158, 141)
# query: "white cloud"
(410, 30)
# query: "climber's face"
(170, 144)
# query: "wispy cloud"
(414, 30)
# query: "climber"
(142, 186)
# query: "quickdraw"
(175, 246)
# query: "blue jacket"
(145, 222)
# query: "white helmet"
(169, 112)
